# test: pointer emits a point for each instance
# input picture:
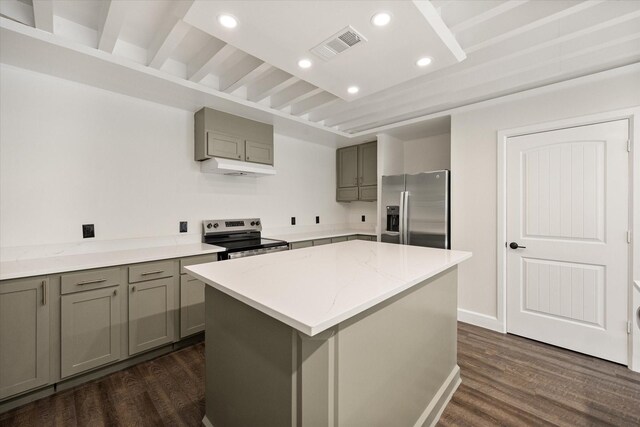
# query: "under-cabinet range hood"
(235, 167)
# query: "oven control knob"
(216, 225)
(209, 225)
(257, 222)
(253, 223)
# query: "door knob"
(514, 245)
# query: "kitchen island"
(350, 334)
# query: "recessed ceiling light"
(304, 63)
(423, 62)
(381, 19)
(353, 89)
(228, 21)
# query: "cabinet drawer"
(150, 271)
(88, 280)
(369, 193)
(319, 242)
(338, 239)
(300, 245)
(199, 259)
(363, 237)
(222, 145)
(352, 237)
(258, 152)
(347, 194)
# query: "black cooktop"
(248, 244)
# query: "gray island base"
(393, 364)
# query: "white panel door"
(567, 204)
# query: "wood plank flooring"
(506, 381)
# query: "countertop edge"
(302, 237)
(135, 259)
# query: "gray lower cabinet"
(151, 314)
(191, 306)
(24, 335)
(90, 330)
(338, 239)
(318, 242)
(356, 172)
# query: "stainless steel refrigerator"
(415, 209)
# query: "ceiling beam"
(294, 93)
(487, 15)
(434, 19)
(307, 105)
(273, 82)
(17, 11)
(43, 15)
(110, 23)
(248, 69)
(213, 55)
(170, 35)
(532, 25)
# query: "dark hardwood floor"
(506, 381)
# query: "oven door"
(252, 252)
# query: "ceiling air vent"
(338, 43)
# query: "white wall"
(427, 154)
(474, 171)
(72, 154)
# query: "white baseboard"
(479, 319)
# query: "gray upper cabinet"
(368, 164)
(258, 152)
(357, 172)
(24, 335)
(219, 134)
(227, 146)
(347, 166)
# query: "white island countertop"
(315, 288)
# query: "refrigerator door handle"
(405, 217)
(401, 221)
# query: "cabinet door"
(368, 194)
(347, 167)
(191, 306)
(258, 152)
(368, 164)
(347, 194)
(227, 146)
(319, 242)
(151, 314)
(90, 330)
(300, 245)
(24, 335)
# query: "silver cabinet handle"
(115, 292)
(90, 282)
(44, 292)
(148, 273)
(133, 289)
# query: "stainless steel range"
(241, 237)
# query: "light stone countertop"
(313, 235)
(28, 267)
(315, 288)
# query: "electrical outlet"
(362, 218)
(88, 231)
(317, 220)
(183, 226)
(293, 220)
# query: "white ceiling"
(510, 46)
